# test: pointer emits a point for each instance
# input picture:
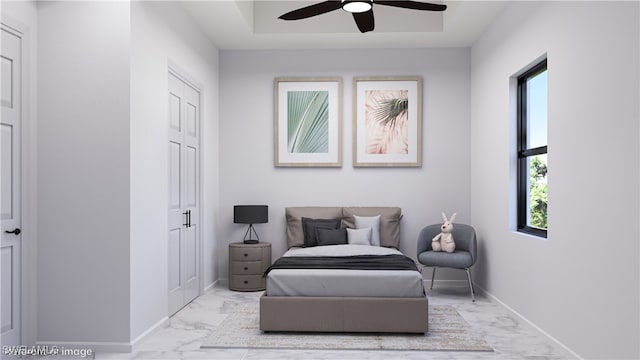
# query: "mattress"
(339, 282)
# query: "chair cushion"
(457, 259)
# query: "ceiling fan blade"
(364, 20)
(312, 10)
(415, 5)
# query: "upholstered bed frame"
(344, 314)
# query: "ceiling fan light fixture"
(356, 6)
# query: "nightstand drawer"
(246, 254)
(247, 282)
(246, 268)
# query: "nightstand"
(247, 263)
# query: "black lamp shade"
(250, 214)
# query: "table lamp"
(250, 214)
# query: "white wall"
(102, 148)
(247, 172)
(83, 172)
(581, 284)
(161, 35)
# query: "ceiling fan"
(362, 10)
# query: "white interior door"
(184, 159)
(10, 194)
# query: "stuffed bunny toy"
(444, 240)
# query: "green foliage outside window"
(538, 192)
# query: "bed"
(388, 299)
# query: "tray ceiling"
(244, 24)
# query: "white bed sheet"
(339, 282)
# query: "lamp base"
(250, 240)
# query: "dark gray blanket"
(356, 262)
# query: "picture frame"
(387, 121)
(308, 122)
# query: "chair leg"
(433, 275)
(473, 293)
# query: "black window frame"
(524, 153)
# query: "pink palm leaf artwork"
(386, 121)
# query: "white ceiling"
(247, 24)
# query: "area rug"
(448, 331)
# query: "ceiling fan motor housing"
(356, 6)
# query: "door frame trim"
(178, 71)
(28, 174)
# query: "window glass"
(537, 110)
(532, 151)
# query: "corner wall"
(83, 173)
(247, 172)
(162, 36)
(581, 285)
(102, 166)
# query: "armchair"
(462, 258)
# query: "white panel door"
(184, 159)
(10, 194)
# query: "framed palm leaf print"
(387, 121)
(308, 122)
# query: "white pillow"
(359, 236)
(372, 222)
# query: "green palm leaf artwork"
(389, 110)
(308, 122)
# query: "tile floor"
(181, 338)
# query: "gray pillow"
(331, 236)
(359, 236)
(389, 222)
(294, 215)
(309, 227)
(372, 222)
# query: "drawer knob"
(246, 254)
(246, 268)
(246, 282)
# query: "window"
(532, 151)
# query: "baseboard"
(72, 348)
(217, 283)
(546, 334)
(151, 330)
